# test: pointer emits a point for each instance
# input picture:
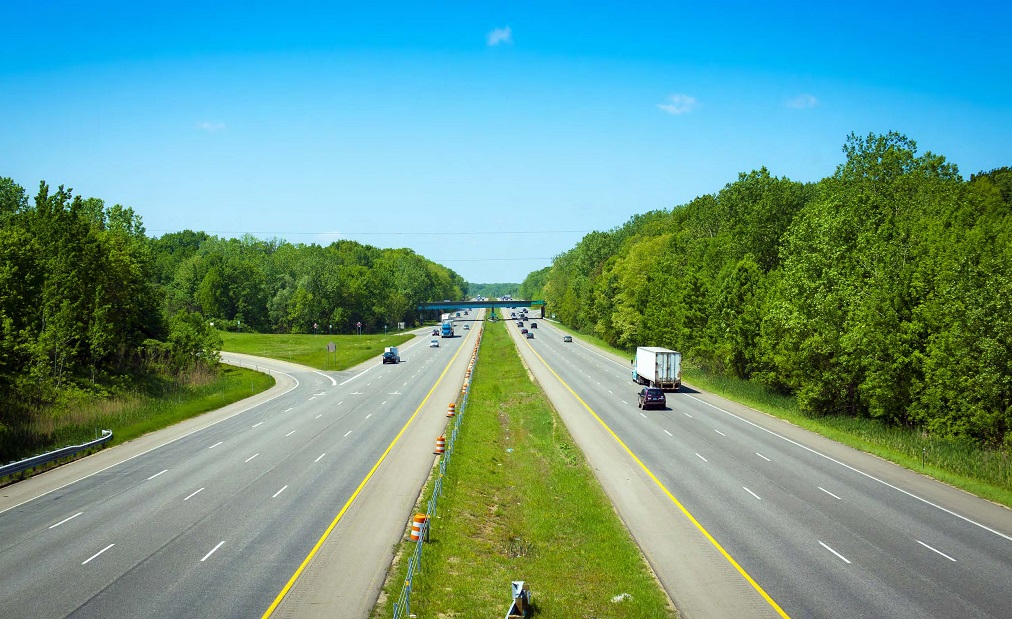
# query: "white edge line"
(359, 374)
(843, 558)
(169, 442)
(330, 378)
(65, 520)
(936, 550)
(85, 562)
(858, 471)
(212, 551)
(193, 494)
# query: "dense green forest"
(90, 306)
(882, 291)
(492, 291)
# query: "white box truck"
(657, 367)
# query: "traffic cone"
(450, 410)
(416, 526)
(440, 446)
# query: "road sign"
(331, 347)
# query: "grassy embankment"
(311, 350)
(521, 503)
(984, 472)
(144, 407)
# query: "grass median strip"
(521, 503)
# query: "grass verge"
(311, 350)
(984, 472)
(521, 503)
(137, 413)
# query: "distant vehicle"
(567, 338)
(465, 313)
(657, 367)
(467, 327)
(513, 314)
(435, 332)
(447, 330)
(530, 334)
(390, 355)
(651, 397)
(524, 331)
(534, 325)
(433, 343)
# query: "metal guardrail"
(402, 607)
(52, 456)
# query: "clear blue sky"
(522, 124)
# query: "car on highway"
(651, 397)
(433, 343)
(534, 325)
(467, 327)
(567, 338)
(524, 331)
(530, 334)
(435, 332)
(391, 356)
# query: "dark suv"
(651, 397)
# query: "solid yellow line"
(291, 581)
(660, 485)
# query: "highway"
(821, 530)
(213, 518)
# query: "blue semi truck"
(447, 329)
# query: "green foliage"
(882, 291)
(493, 291)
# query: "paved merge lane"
(820, 536)
(213, 523)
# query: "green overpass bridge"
(455, 305)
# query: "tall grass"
(152, 405)
(311, 350)
(521, 503)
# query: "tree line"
(92, 306)
(882, 291)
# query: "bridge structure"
(441, 306)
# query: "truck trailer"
(657, 367)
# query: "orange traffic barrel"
(440, 445)
(451, 409)
(416, 526)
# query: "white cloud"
(802, 102)
(499, 35)
(211, 127)
(679, 104)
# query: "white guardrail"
(52, 456)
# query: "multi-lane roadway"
(743, 515)
(214, 517)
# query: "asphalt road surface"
(213, 517)
(741, 514)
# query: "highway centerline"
(936, 550)
(830, 493)
(212, 551)
(88, 560)
(65, 520)
(843, 558)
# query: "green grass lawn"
(984, 472)
(311, 350)
(521, 503)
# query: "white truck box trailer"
(657, 367)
